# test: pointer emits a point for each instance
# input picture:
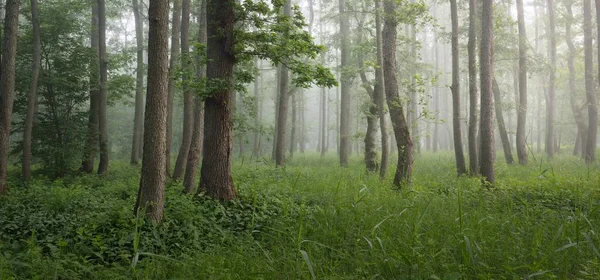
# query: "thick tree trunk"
(550, 107)
(283, 105)
(401, 129)
(32, 97)
(175, 48)
(346, 84)
(486, 146)
(378, 91)
(473, 96)
(215, 178)
(458, 147)
(7, 84)
(195, 151)
(102, 94)
(91, 147)
(151, 195)
(188, 97)
(139, 85)
(502, 125)
(522, 105)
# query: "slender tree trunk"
(346, 84)
(195, 151)
(283, 106)
(401, 129)
(458, 147)
(151, 195)
(91, 147)
(436, 101)
(215, 178)
(378, 91)
(473, 96)
(32, 97)
(7, 84)
(139, 85)
(188, 97)
(550, 107)
(257, 115)
(522, 105)
(102, 94)
(486, 146)
(293, 143)
(592, 132)
(323, 133)
(501, 124)
(175, 47)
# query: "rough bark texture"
(139, 85)
(7, 84)
(215, 178)
(401, 129)
(522, 105)
(473, 96)
(486, 145)
(151, 195)
(91, 146)
(283, 105)
(102, 94)
(175, 48)
(592, 133)
(378, 91)
(458, 147)
(550, 107)
(32, 97)
(188, 97)
(346, 84)
(502, 125)
(195, 151)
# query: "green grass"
(315, 220)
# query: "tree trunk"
(175, 47)
(139, 84)
(401, 129)
(91, 147)
(592, 132)
(522, 106)
(195, 151)
(283, 104)
(151, 195)
(257, 115)
(378, 91)
(7, 84)
(486, 146)
(458, 147)
(323, 132)
(32, 97)
(346, 84)
(501, 124)
(294, 123)
(188, 97)
(473, 96)
(550, 107)
(215, 178)
(102, 94)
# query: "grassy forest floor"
(315, 220)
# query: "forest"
(299, 139)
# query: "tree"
(188, 98)
(486, 145)
(32, 98)
(379, 92)
(550, 107)
(139, 84)
(346, 84)
(7, 84)
(508, 156)
(151, 194)
(590, 153)
(91, 147)
(175, 46)
(522, 106)
(458, 147)
(102, 94)
(283, 103)
(473, 96)
(401, 129)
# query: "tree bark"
(175, 48)
(257, 114)
(283, 104)
(91, 147)
(486, 129)
(195, 151)
(139, 85)
(294, 124)
(550, 107)
(378, 91)
(188, 97)
(522, 106)
(346, 84)
(215, 178)
(473, 96)
(592, 132)
(401, 129)
(32, 97)
(7, 84)
(102, 94)
(502, 125)
(458, 147)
